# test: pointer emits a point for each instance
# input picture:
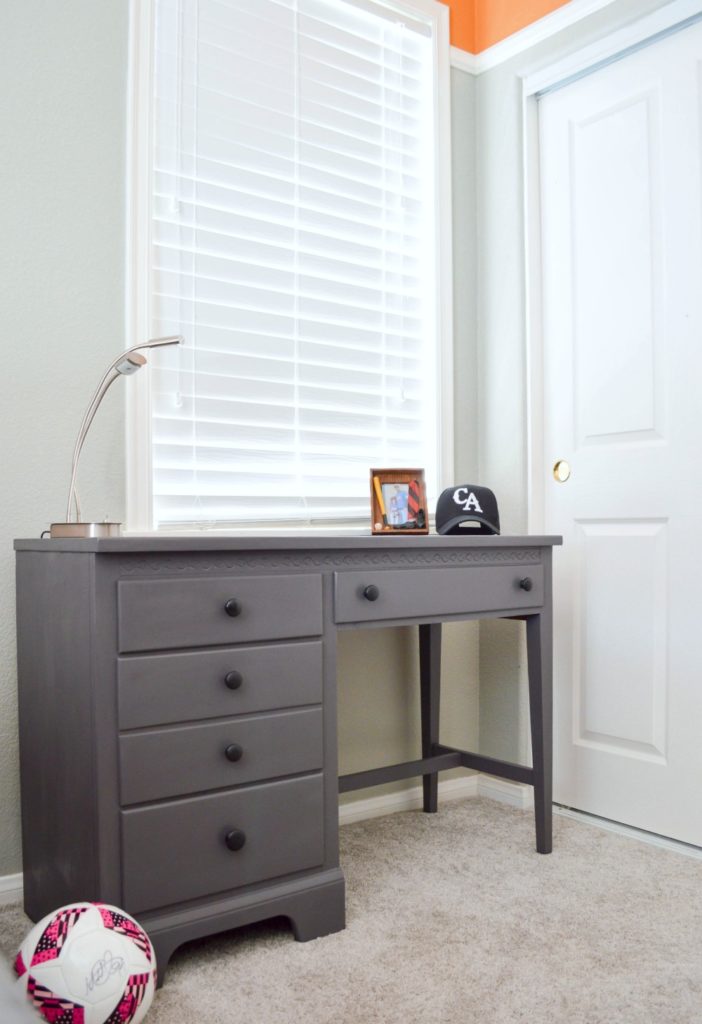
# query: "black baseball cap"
(467, 503)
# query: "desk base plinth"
(314, 906)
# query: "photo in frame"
(398, 501)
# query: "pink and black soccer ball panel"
(53, 1008)
(56, 933)
(126, 926)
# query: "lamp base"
(76, 531)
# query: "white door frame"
(672, 17)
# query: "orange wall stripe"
(462, 20)
(497, 19)
(478, 24)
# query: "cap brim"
(446, 527)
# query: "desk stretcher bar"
(442, 758)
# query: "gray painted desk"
(177, 702)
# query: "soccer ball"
(88, 963)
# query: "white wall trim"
(613, 46)
(514, 794)
(650, 838)
(444, 243)
(527, 37)
(464, 61)
(11, 889)
(405, 800)
(539, 31)
(138, 517)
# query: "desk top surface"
(155, 544)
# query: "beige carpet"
(454, 918)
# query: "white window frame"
(139, 504)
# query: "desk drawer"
(158, 689)
(155, 614)
(178, 851)
(193, 758)
(418, 593)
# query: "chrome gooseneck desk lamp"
(123, 366)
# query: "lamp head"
(132, 360)
(171, 339)
(130, 364)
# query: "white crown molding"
(537, 32)
(464, 61)
(668, 18)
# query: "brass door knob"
(561, 471)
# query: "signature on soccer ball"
(102, 969)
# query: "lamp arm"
(88, 417)
(110, 375)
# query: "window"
(292, 225)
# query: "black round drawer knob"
(235, 839)
(234, 752)
(526, 583)
(371, 592)
(232, 607)
(233, 680)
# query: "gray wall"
(62, 224)
(63, 78)
(500, 294)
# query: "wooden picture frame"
(398, 502)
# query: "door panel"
(617, 199)
(621, 180)
(620, 634)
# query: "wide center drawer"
(169, 762)
(158, 689)
(156, 614)
(368, 596)
(180, 851)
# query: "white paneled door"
(621, 184)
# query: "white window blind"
(293, 243)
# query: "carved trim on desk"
(168, 564)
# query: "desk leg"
(430, 688)
(539, 642)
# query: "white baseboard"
(651, 838)
(11, 889)
(512, 793)
(406, 800)
(515, 794)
